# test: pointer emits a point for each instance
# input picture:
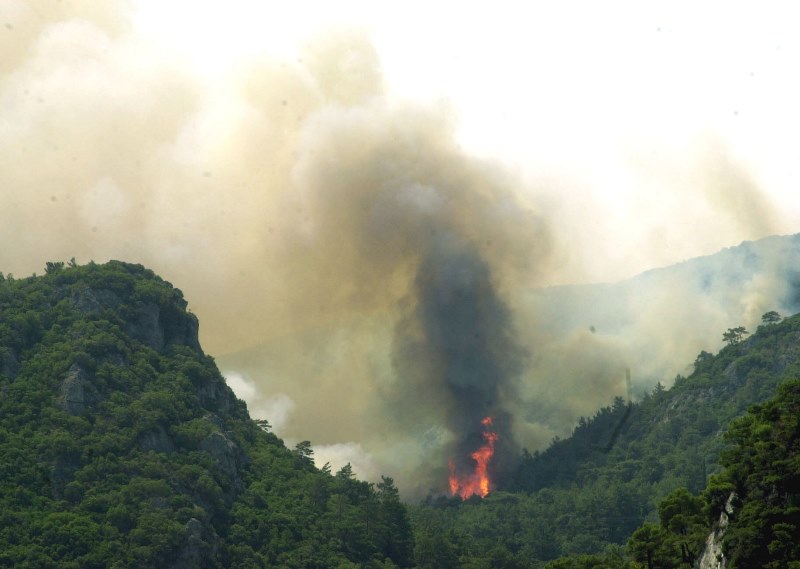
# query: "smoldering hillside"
(366, 280)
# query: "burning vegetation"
(478, 482)
(458, 348)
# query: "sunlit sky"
(608, 110)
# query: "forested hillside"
(122, 446)
(752, 506)
(588, 493)
(761, 482)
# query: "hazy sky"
(619, 114)
(295, 167)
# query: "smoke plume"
(374, 283)
(457, 355)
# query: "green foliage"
(734, 335)
(761, 481)
(591, 562)
(682, 518)
(648, 546)
(304, 454)
(122, 446)
(763, 466)
(53, 267)
(593, 490)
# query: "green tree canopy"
(734, 336)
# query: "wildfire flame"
(476, 482)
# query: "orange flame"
(478, 481)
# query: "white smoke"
(352, 453)
(276, 408)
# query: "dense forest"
(122, 446)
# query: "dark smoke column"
(467, 334)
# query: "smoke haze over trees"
(305, 208)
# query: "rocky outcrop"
(159, 328)
(196, 548)
(214, 395)
(93, 301)
(230, 458)
(182, 331)
(712, 556)
(155, 325)
(120, 410)
(146, 326)
(73, 397)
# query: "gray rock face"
(157, 330)
(192, 553)
(201, 544)
(183, 332)
(73, 398)
(713, 557)
(214, 395)
(91, 301)
(147, 326)
(196, 549)
(229, 456)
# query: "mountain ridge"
(122, 445)
(717, 277)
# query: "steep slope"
(684, 422)
(590, 491)
(122, 446)
(762, 470)
(752, 506)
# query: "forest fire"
(477, 481)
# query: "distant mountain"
(727, 276)
(653, 324)
(734, 286)
(122, 446)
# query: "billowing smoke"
(367, 284)
(457, 355)
(421, 242)
(353, 261)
